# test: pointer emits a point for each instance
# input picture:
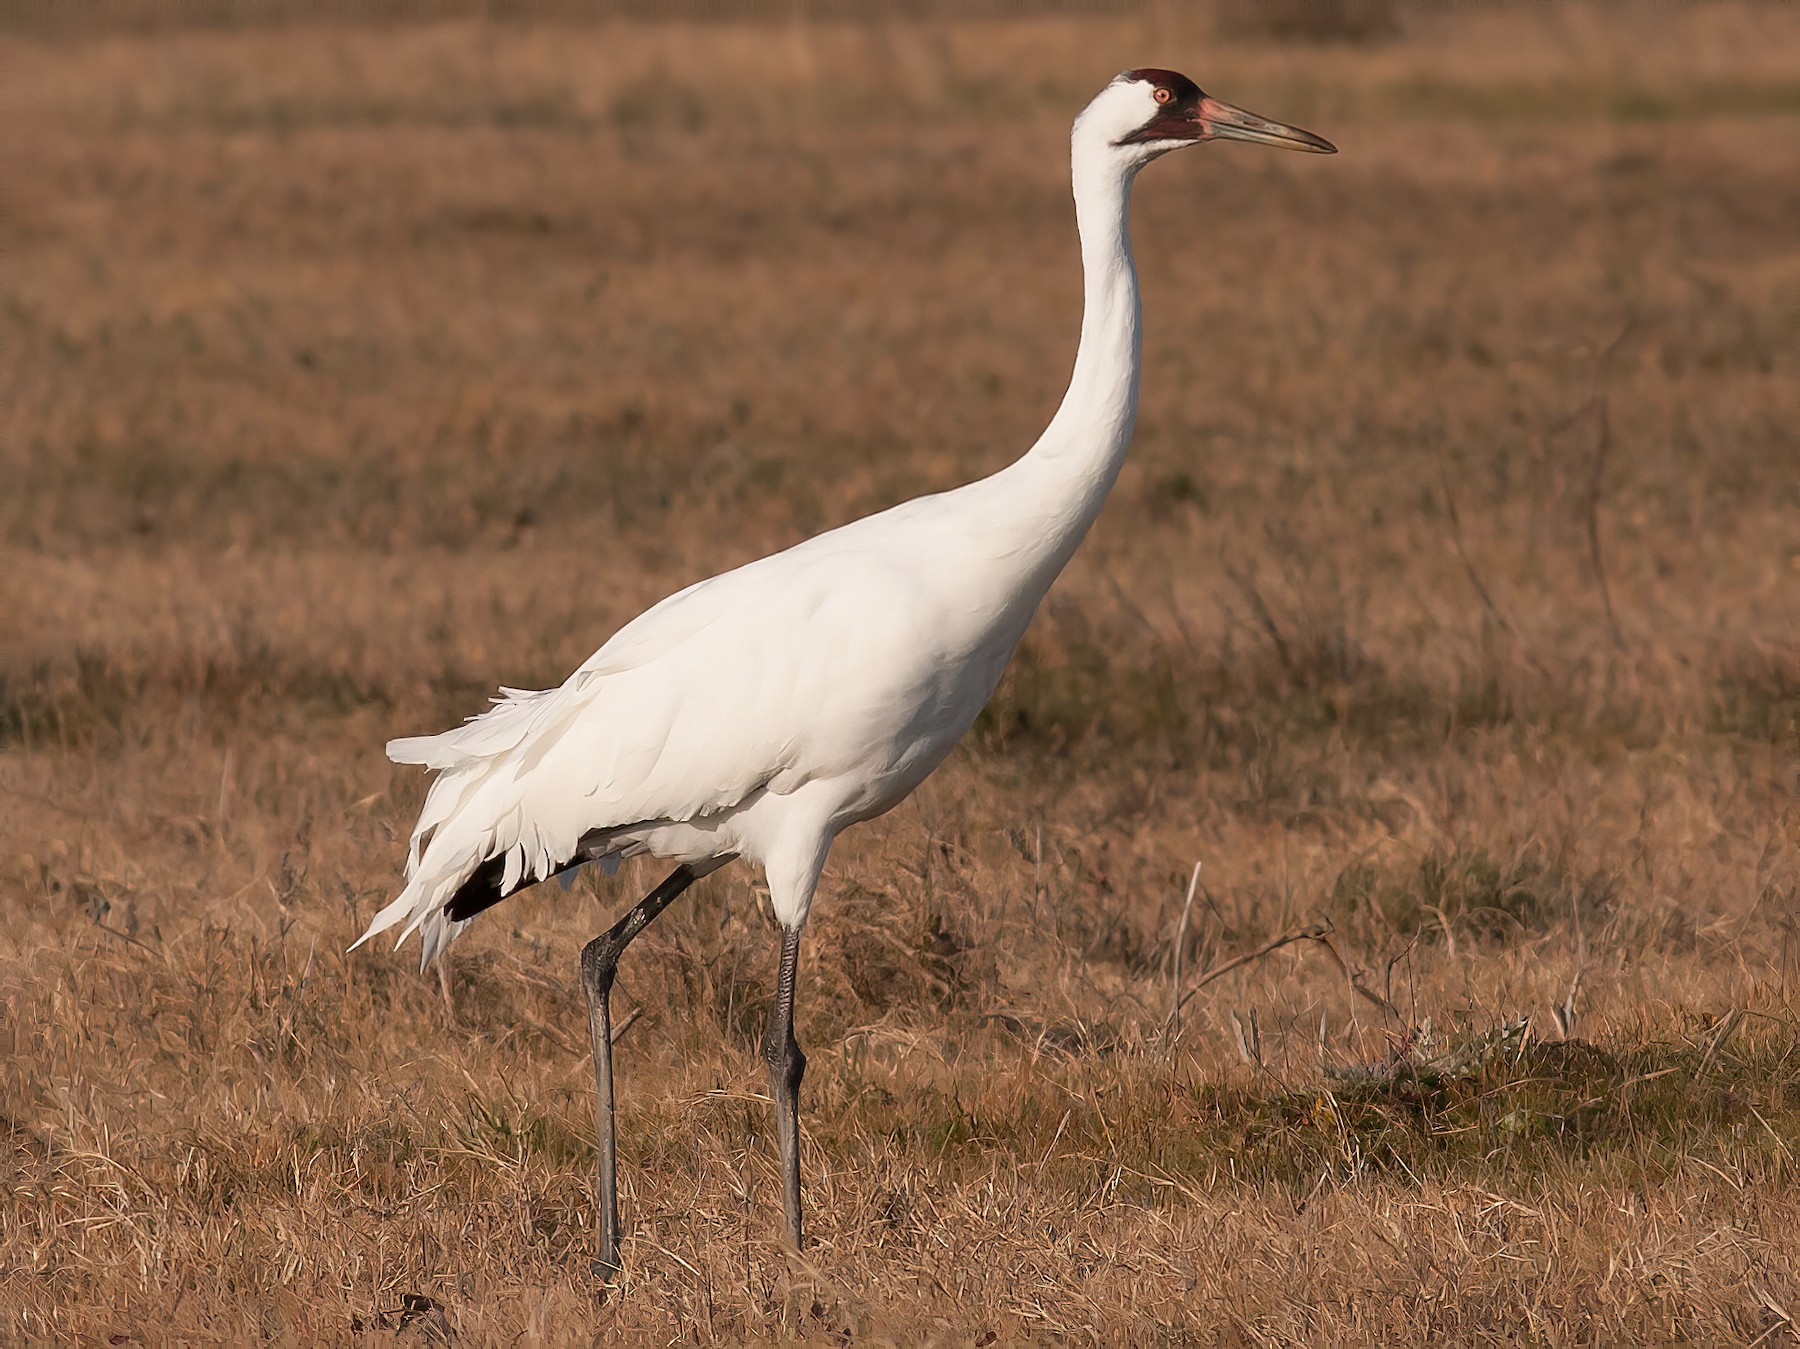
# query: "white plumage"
(754, 714)
(759, 713)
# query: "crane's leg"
(787, 1065)
(599, 963)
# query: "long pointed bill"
(1224, 122)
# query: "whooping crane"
(759, 713)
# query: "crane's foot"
(605, 1268)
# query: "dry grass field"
(1448, 613)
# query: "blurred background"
(360, 360)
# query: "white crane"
(759, 713)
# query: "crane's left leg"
(787, 1065)
(599, 963)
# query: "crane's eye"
(1163, 95)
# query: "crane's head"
(1146, 113)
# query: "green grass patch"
(1473, 893)
(1496, 1109)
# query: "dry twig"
(1319, 932)
(1172, 1022)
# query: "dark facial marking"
(1176, 116)
(1174, 81)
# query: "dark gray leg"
(787, 1065)
(599, 963)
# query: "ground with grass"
(1445, 616)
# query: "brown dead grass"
(1449, 597)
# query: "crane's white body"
(759, 713)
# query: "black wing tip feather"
(482, 890)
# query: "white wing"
(751, 681)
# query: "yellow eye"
(1163, 95)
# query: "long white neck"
(1057, 489)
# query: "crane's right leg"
(599, 963)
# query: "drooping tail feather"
(485, 735)
(475, 840)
